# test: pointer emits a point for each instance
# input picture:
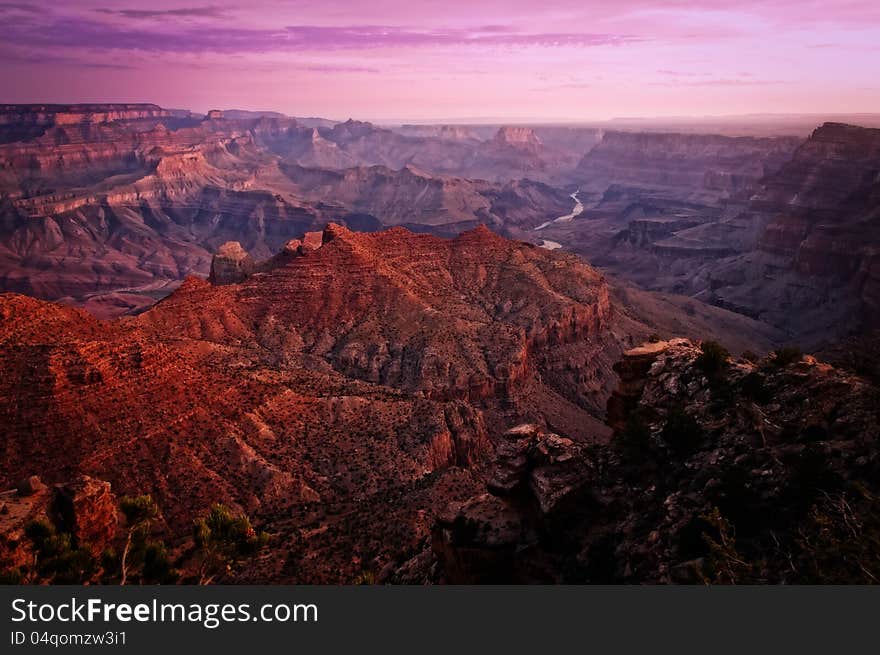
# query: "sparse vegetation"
(840, 542)
(56, 559)
(787, 355)
(712, 359)
(364, 578)
(726, 564)
(222, 540)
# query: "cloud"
(672, 73)
(181, 12)
(334, 68)
(75, 32)
(18, 6)
(19, 56)
(733, 81)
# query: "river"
(578, 208)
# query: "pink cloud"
(589, 58)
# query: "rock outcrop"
(694, 162)
(341, 395)
(111, 206)
(719, 470)
(813, 266)
(84, 508)
(537, 479)
(232, 264)
(517, 137)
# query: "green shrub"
(13, 576)
(38, 531)
(57, 561)
(138, 509)
(222, 539)
(140, 512)
(157, 565)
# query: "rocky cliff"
(339, 394)
(820, 215)
(719, 470)
(84, 509)
(704, 163)
(111, 210)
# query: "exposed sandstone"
(85, 508)
(341, 397)
(231, 264)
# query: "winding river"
(578, 208)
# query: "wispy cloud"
(732, 81)
(20, 56)
(75, 32)
(18, 6)
(335, 68)
(181, 12)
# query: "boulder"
(30, 486)
(86, 508)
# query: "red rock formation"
(517, 137)
(111, 210)
(340, 396)
(85, 508)
(232, 263)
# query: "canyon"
(439, 353)
(109, 207)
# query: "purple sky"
(450, 59)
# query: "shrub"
(840, 541)
(157, 565)
(56, 560)
(365, 577)
(681, 432)
(712, 359)
(222, 539)
(727, 565)
(13, 576)
(750, 356)
(138, 509)
(787, 355)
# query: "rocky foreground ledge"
(720, 470)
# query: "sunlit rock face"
(341, 392)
